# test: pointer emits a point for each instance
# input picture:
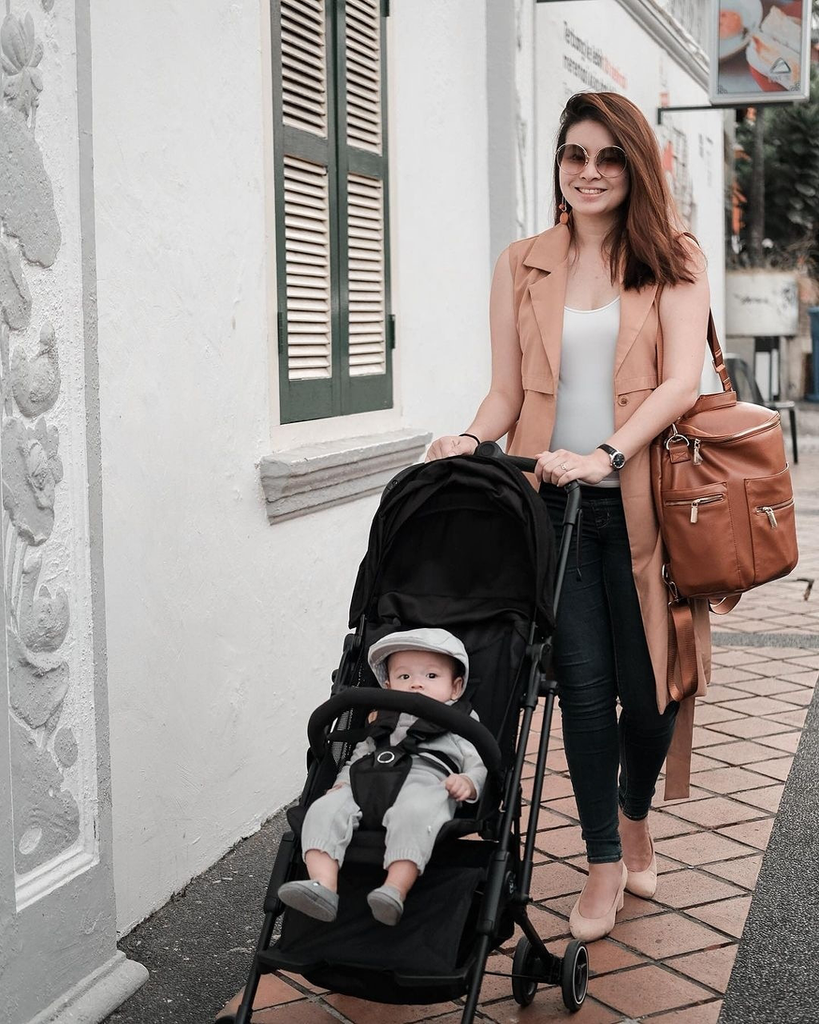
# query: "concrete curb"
(774, 977)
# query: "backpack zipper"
(771, 510)
(696, 502)
(728, 438)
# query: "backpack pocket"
(701, 543)
(773, 526)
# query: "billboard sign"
(760, 52)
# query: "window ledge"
(315, 476)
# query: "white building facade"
(244, 278)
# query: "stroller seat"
(357, 956)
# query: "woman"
(582, 316)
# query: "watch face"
(618, 460)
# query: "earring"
(564, 210)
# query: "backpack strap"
(717, 357)
(683, 623)
(683, 689)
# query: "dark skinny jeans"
(600, 655)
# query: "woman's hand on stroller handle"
(492, 450)
(562, 467)
(587, 466)
(450, 444)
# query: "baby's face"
(425, 672)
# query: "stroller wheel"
(574, 975)
(523, 989)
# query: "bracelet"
(475, 439)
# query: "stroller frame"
(504, 890)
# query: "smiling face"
(426, 672)
(587, 191)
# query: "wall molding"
(673, 38)
(315, 476)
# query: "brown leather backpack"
(724, 500)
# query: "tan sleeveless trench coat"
(539, 271)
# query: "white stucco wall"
(441, 210)
(222, 629)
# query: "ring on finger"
(564, 467)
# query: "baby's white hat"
(426, 639)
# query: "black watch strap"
(616, 457)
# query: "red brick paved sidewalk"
(668, 960)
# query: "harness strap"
(348, 735)
(438, 759)
(377, 778)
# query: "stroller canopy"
(458, 540)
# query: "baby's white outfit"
(421, 808)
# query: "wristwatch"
(616, 458)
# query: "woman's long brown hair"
(643, 246)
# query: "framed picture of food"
(760, 52)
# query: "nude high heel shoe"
(644, 883)
(587, 929)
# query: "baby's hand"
(460, 787)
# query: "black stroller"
(467, 545)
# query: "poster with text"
(761, 52)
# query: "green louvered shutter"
(331, 208)
(363, 207)
(305, 209)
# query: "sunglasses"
(610, 160)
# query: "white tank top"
(584, 416)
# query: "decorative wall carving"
(36, 381)
(46, 814)
(21, 54)
(26, 196)
(58, 956)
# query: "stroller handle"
(434, 711)
(492, 450)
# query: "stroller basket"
(464, 544)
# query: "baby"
(443, 770)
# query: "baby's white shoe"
(310, 898)
(386, 904)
